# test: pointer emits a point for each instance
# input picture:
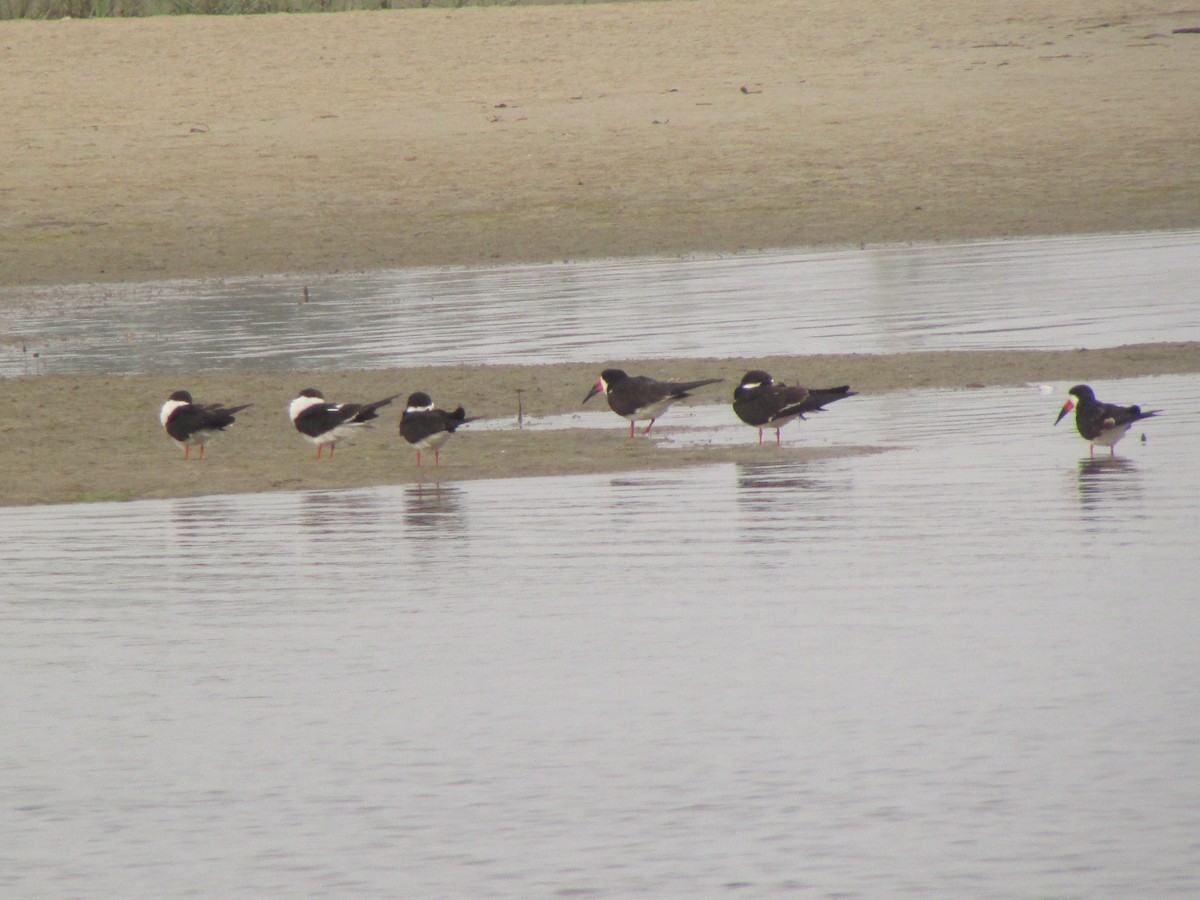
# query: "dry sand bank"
(49, 454)
(192, 146)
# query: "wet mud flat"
(90, 438)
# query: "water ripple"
(1043, 293)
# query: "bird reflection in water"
(785, 496)
(434, 510)
(1107, 483)
(204, 523)
(338, 514)
(776, 477)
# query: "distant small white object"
(1045, 389)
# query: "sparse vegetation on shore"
(98, 9)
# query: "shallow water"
(1094, 291)
(964, 666)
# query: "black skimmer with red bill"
(639, 397)
(191, 424)
(428, 428)
(326, 423)
(1101, 423)
(762, 402)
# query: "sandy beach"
(207, 146)
(137, 150)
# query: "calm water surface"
(962, 667)
(1094, 291)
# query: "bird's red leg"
(651, 425)
(187, 452)
(418, 459)
(631, 428)
(1091, 451)
(332, 447)
(437, 458)
(202, 451)
(319, 450)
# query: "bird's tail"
(459, 417)
(217, 416)
(816, 400)
(366, 412)
(818, 397)
(680, 389)
(378, 403)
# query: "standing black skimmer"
(638, 397)
(1101, 423)
(193, 425)
(762, 402)
(427, 428)
(327, 423)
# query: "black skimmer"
(762, 402)
(191, 424)
(1101, 423)
(638, 397)
(427, 428)
(327, 423)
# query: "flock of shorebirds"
(759, 400)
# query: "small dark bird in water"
(762, 402)
(636, 397)
(1101, 423)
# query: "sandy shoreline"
(194, 147)
(49, 455)
(141, 149)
